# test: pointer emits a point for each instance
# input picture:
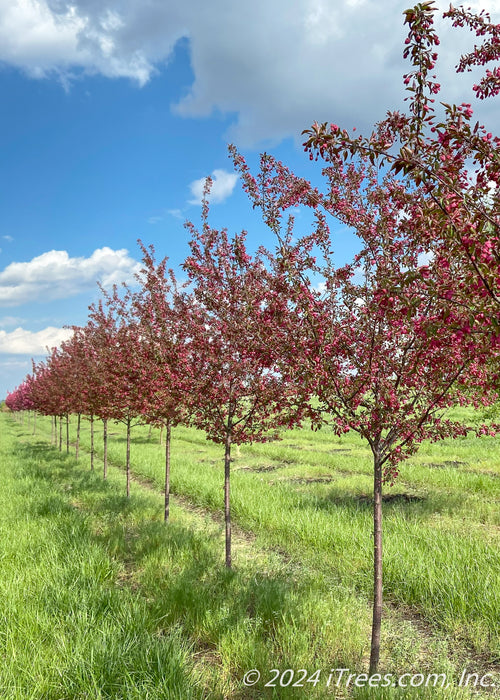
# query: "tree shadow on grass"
(117, 438)
(405, 504)
(266, 615)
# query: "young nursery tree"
(159, 311)
(123, 388)
(413, 326)
(52, 391)
(21, 398)
(93, 349)
(383, 354)
(237, 393)
(73, 369)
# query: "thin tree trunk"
(77, 448)
(105, 447)
(377, 563)
(67, 433)
(92, 442)
(167, 472)
(128, 457)
(227, 510)
(53, 432)
(60, 433)
(34, 423)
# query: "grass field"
(101, 599)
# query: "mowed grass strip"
(309, 608)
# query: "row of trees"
(382, 346)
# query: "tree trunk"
(60, 433)
(34, 423)
(105, 447)
(128, 458)
(92, 442)
(77, 447)
(67, 433)
(227, 511)
(377, 563)
(53, 431)
(167, 472)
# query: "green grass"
(299, 596)
(69, 628)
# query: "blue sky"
(113, 111)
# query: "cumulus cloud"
(24, 342)
(223, 184)
(55, 275)
(277, 66)
(44, 37)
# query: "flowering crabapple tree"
(237, 393)
(92, 347)
(382, 353)
(43, 400)
(21, 399)
(453, 161)
(73, 369)
(53, 392)
(123, 389)
(159, 313)
(88, 380)
(443, 242)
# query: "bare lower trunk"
(128, 458)
(377, 563)
(67, 433)
(60, 433)
(167, 472)
(34, 423)
(92, 442)
(77, 447)
(53, 432)
(105, 448)
(227, 510)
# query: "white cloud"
(277, 66)
(52, 36)
(8, 238)
(54, 275)
(23, 342)
(223, 184)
